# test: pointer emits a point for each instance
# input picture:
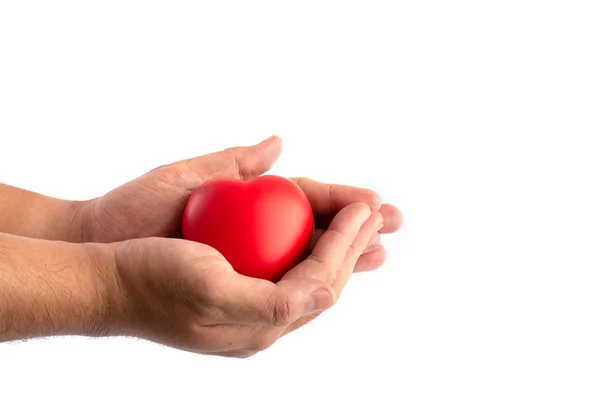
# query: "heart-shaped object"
(263, 227)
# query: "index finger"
(331, 249)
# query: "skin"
(116, 265)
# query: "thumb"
(253, 301)
(241, 162)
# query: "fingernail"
(319, 300)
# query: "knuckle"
(317, 259)
(176, 173)
(282, 310)
(232, 155)
(334, 237)
(364, 207)
(374, 199)
(301, 181)
(331, 195)
(355, 250)
(180, 175)
(340, 238)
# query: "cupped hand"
(152, 205)
(185, 295)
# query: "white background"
(478, 119)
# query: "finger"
(392, 218)
(372, 258)
(258, 302)
(366, 262)
(375, 239)
(242, 162)
(328, 199)
(367, 231)
(330, 251)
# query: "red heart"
(263, 227)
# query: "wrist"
(30, 214)
(74, 221)
(110, 314)
(50, 288)
(70, 222)
(84, 224)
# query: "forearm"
(34, 215)
(52, 288)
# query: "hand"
(152, 205)
(185, 295)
